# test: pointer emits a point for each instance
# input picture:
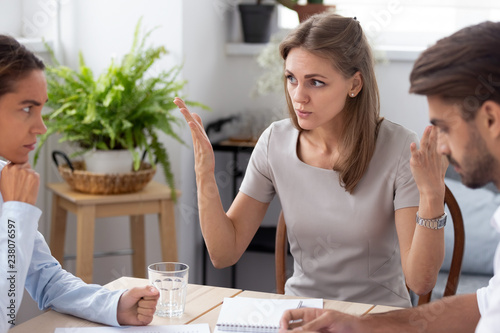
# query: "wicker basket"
(101, 183)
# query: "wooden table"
(153, 199)
(203, 305)
(199, 301)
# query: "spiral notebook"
(243, 314)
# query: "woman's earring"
(352, 94)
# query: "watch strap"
(435, 223)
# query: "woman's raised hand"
(204, 161)
(427, 165)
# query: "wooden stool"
(154, 198)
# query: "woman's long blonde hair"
(342, 40)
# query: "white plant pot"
(108, 161)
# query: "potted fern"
(124, 108)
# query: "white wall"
(396, 104)
(10, 13)
(102, 30)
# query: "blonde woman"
(460, 76)
(342, 174)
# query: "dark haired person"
(25, 258)
(342, 174)
(460, 75)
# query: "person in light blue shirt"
(25, 259)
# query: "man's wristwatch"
(436, 223)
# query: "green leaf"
(122, 109)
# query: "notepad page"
(192, 328)
(244, 314)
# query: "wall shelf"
(399, 53)
(244, 49)
(35, 45)
(391, 53)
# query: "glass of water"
(171, 280)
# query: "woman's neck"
(320, 147)
(327, 137)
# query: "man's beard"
(478, 169)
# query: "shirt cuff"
(113, 315)
(18, 208)
(482, 299)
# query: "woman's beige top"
(345, 247)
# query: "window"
(408, 23)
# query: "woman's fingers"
(187, 115)
(184, 110)
(190, 117)
(193, 120)
(197, 118)
(203, 152)
(179, 102)
(198, 124)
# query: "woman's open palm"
(204, 161)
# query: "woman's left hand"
(427, 165)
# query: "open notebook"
(243, 314)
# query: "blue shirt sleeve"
(27, 263)
(18, 228)
(53, 287)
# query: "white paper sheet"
(193, 328)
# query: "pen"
(296, 321)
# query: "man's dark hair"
(462, 69)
